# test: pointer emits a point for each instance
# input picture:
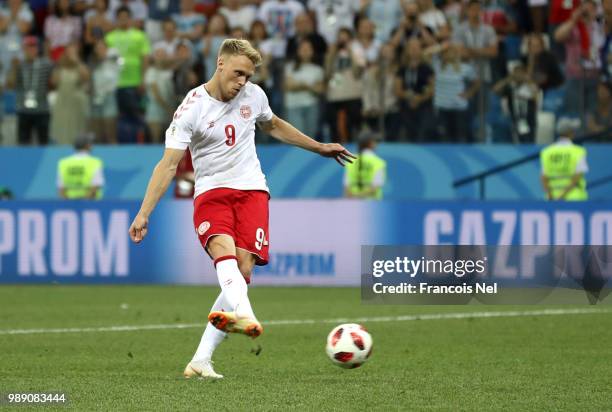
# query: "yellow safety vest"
(559, 163)
(77, 173)
(361, 174)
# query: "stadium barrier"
(414, 171)
(312, 242)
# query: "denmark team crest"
(204, 226)
(245, 112)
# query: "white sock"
(212, 337)
(234, 288)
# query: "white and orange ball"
(349, 345)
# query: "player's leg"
(251, 248)
(201, 363)
(214, 223)
(233, 284)
(240, 318)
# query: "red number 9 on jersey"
(230, 133)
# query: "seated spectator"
(601, 118)
(521, 94)
(344, 72)
(190, 24)
(304, 30)
(105, 74)
(542, 65)
(71, 108)
(61, 29)
(304, 84)
(31, 80)
(218, 30)
(160, 95)
(378, 85)
(414, 87)
(583, 36)
(455, 84)
(432, 18)
(240, 15)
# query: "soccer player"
(217, 122)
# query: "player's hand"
(138, 228)
(338, 152)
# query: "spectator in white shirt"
(237, 14)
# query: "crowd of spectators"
(418, 70)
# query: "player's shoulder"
(196, 94)
(255, 91)
(192, 103)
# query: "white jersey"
(221, 138)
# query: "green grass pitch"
(540, 363)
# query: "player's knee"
(220, 246)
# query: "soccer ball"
(349, 345)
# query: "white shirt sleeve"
(265, 113)
(582, 166)
(98, 178)
(379, 178)
(180, 131)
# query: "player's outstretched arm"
(164, 172)
(285, 132)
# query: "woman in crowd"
(105, 73)
(97, 25)
(455, 84)
(70, 111)
(344, 74)
(304, 84)
(61, 29)
(601, 118)
(218, 30)
(542, 65)
(378, 98)
(160, 95)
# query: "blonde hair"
(240, 47)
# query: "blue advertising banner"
(312, 242)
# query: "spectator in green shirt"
(133, 46)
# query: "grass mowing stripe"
(403, 318)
